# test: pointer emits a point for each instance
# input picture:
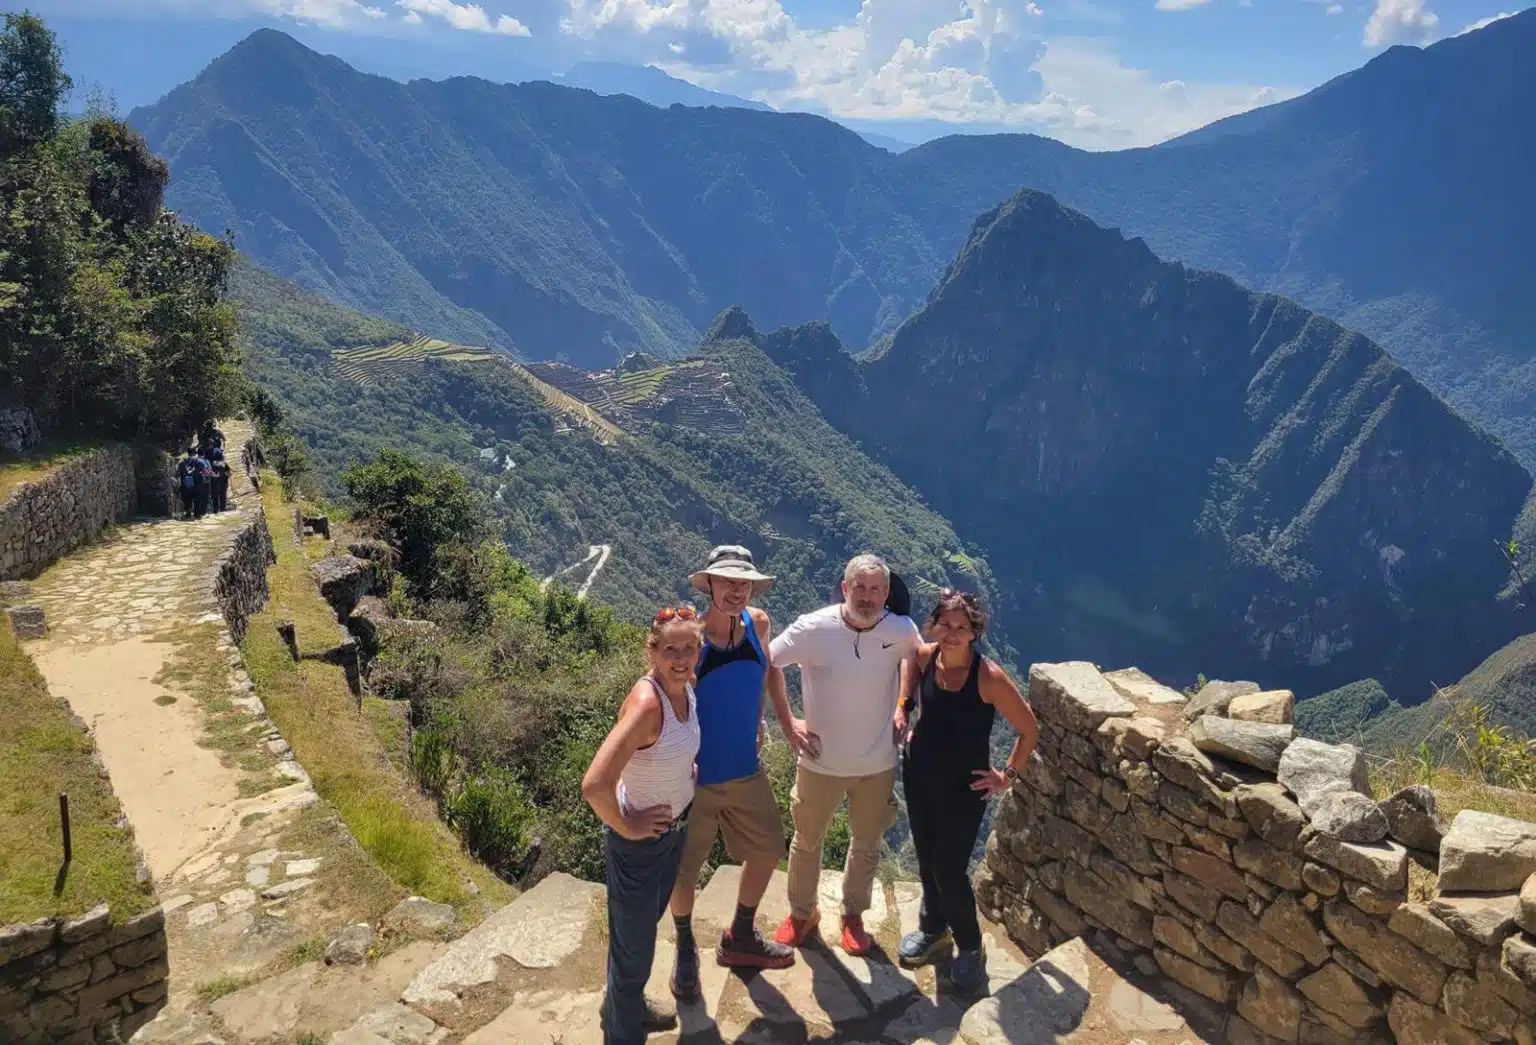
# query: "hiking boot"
(753, 952)
(856, 940)
(968, 972)
(919, 948)
(795, 932)
(685, 972)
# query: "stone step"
(550, 937)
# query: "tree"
(33, 84)
(427, 510)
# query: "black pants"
(221, 493)
(188, 501)
(640, 878)
(200, 500)
(945, 815)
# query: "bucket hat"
(731, 562)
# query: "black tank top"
(954, 727)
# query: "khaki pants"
(813, 803)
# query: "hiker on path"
(640, 784)
(849, 655)
(947, 776)
(209, 438)
(733, 796)
(200, 492)
(186, 483)
(220, 487)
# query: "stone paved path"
(241, 849)
(532, 973)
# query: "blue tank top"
(730, 698)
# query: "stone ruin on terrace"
(1250, 871)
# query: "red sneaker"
(794, 932)
(855, 940)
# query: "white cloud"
(1483, 23)
(1396, 20)
(334, 14)
(1179, 5)
(1334, 9)
(469, 17)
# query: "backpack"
(899, 601)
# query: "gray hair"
(866, 563)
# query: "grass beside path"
(345, 757)
(37, 462)
(43, 752)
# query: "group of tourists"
(681, 766)
(202, 475)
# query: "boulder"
(1388, 955)
(1257, 744)
(1414, 1023)
(1483, 852)
(1268, 1001)
(1527, 914)
(1273, 705)
(1310, 769)
(1075, 695)
(1411, 818)
(418, 916)
(14, 591)
(1336, 992)
(28, 622)
(1273, 816)
(1415, 923)
(343, 580)
(1484, 917)
(1350, 817)
(1383, 865)
(1215, 697)
(1138, 685)
(350, 946)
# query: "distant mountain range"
(562, 225)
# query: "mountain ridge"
(663, 217)
(1169, 453)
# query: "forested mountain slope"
(1169, 470)
(786, 483)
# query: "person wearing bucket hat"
(733, 796)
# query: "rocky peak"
(731, 324)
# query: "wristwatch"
(1011, 773)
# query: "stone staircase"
(533, 973)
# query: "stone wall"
(82, 980)
(1249, 871)
(44, 520)
(240, 576)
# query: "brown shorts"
(745, 812)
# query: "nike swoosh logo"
(887, 645)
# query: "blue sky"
(1094, 73)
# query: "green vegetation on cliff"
(785, 483)
(111, 317)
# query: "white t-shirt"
(849, 700)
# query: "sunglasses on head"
(667, 613)
(965, 596)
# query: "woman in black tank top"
(947, 775)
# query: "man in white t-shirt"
(849, 656)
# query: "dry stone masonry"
(42, 521)
(240, 576)
(82, 980)
(1251, 870)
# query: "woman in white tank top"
(640, 784)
